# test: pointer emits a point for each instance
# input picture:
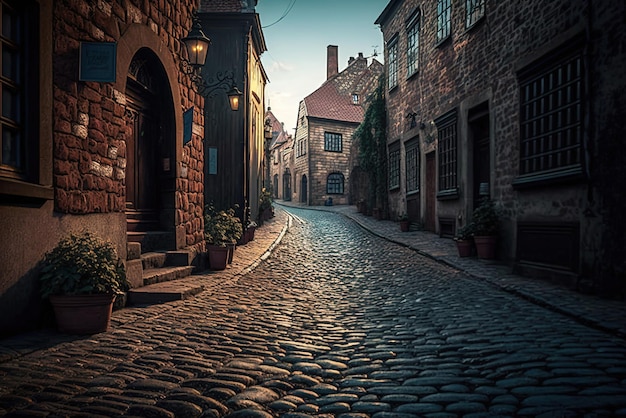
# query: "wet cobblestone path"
(336, 323)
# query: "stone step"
(153, 260)
(153, 240)
(165, 274)
(164, 292)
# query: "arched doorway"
(150, 152)
(287, 185)
(304, 189)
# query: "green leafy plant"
(403, 217)
(265, 201)
(82, 264)
(221, 227)
(465, 232)
(485, 218)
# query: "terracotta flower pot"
(485, 247)
(405, 226)
(218, 257)
(464, 247)
(82, 314)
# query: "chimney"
(332, 61)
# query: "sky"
(295, 60)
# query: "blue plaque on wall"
(187, 125)
(97, 61)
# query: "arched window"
(334, 183)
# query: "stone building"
(280, 161)
(519, 102)
(103, 141)
(327, 118)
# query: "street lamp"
(197, 46)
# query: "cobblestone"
(335, 323)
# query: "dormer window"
(355, 98)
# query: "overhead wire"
(285, 13)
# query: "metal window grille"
(394, 169)
(447, 156)
(392, 66)
(474, 10)
(332, 142)
(444, 8)
(334, 183)
(413, 44)
(551, 117)
(412, 168)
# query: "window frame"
(34, 184)
(340, 183)
(444, 16)
(392, 63)
(412, 165)
(333, 142)
(413, 43)
(393, 162)
(552, 134)
(447, 153)
(475, 11)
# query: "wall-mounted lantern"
(197, 47)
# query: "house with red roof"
(327, 118)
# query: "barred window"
(19, 90)
(447, 148)
(551, 116)
(394, 168)
(413, 43)
(332, 142)
(474, 11)
(334, 183)
(412, 166)
(392, 66)
(444, 9)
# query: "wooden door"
(142, 160)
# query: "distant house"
(327, 118)
(280, 161)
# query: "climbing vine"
(372, 140)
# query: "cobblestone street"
(336, 322)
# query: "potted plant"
(404, 222)
(234, 231)
(81, 277)
(265, 205)
(215, 237)
(464, 240)
(486, 224)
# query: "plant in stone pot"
(215, 236)
(464, 240)
(486, 224)
(81, 277)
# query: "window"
(300, 147)
(412, 166)
(551, 116)
(446, 131)
(20, 137)
(334, 183)
(392, 66)
(474, 11)
(444, 8)
(413, 43)
(394, 167)
(332, 142)
(355, 98)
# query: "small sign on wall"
(212, 160)
(97, 61)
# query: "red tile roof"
(327, 103)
